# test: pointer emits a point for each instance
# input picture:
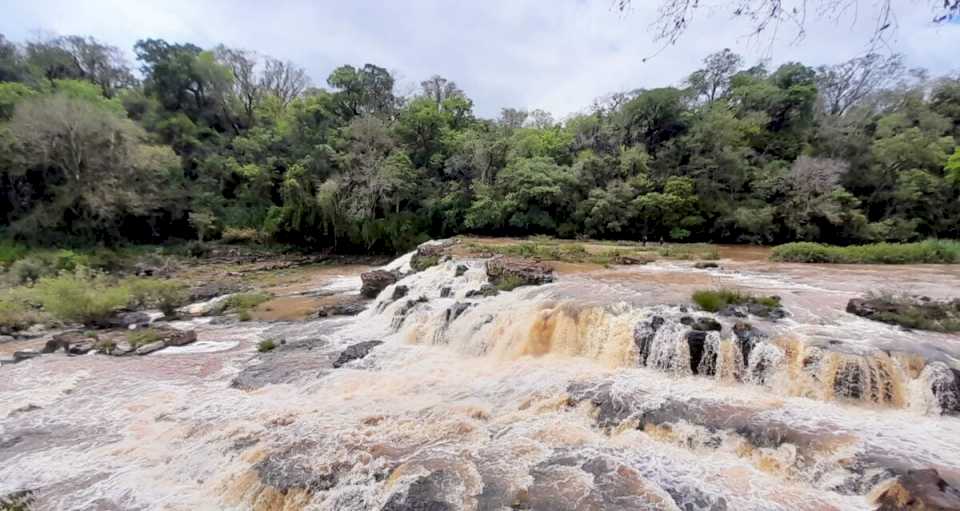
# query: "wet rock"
(126, 320)
(349, 306)
(446, 292)
(627, 260)
(21, 500)
(643, 334)
(484, 291)
(376, 281)
(908, 311)
(919, 490)
(733, 311)
(355, 352)
(295, 468)
(460, 270)
(703, 265)
(6, 338)
(400, 315)
(173, 337)
(285, 364)
(423, 494)
(747, 338)
(612, 407)
(518, 272)
(149, 348)
(702, 323)
(766, 311)
(399, 291)
(456, 310)
(697, 341)
(20, 356)
(73, 343)
(24, 409)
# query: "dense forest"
(203, 143)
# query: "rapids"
(561, 396)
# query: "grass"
(15, 314)
(690, 251)
(509, 282)
(166, 295)
(266, 345)
(930, 251)
(420, 263)
(81, 297)
(143, 336)
(244, 302)
(911, 312)
(713, 300)
(548, 249)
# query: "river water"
(532, 399)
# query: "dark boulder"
(697, 342)
(766, 311)
(355, 352)
(733, 311)
(627, 260)
(376, 281)
(399, 291)
(518, 272)
(747, 338)
(446, 292)
(643, 335)
(460, 270)
(428, 255)
(295, 468)
(20, 356)
(424, 494)
(456, 310)
(209, 290)
(703, 265)
(126, 320)
(702, 323)
(73, 342)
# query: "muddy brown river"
(554, 397)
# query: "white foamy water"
(477, 407)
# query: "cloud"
(558, 56)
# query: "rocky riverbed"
(448, 381)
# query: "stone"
(355, 352)
(210, 290)
(172, 337)
(294, 468)
(523, 272)
(73, 342)
(126, 320)
(643, 334)
(399, 291)
(765, 311)
(703, 323)
(627, 260)
(446, 292)
(696, 341)
(376, 281)
(424, 494)
(20, 356)
(350, 306)
(428, 255)
(703, 265)
(484, 291)
(747, 338)
(148, 348)
(456, 310)
(460, 270)
(734, 311)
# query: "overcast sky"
(557, 55)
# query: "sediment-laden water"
(581, 394)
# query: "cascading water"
(589, 393)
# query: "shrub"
(423, 262)
(266, 345)
(243, 302)
(245, 316)
(143, 336)
(29, 269)
(83, 296)
(196, 249)
(166, 295)
(509, 282)
(11, 252)
(235, 235)
(713, 300)
(930, 251)
(16, 315)
(690, 251)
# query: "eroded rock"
(350, 306)
(73, 342)
(919, 490)
(518, 272)
(376, 281)
(355, 352)
(484, 291)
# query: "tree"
(714, 79)
(440, 89)
(368, 90)
(283, 80)
(845, 85)
(93, 164)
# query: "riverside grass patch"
(713, 300)
(923, 252)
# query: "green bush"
(166, 295)
(690, 251)
(29, 269)
(236, 235)
(83, 296)
(243, 302)
(713, 300)
(930, 251)
(509, 282)
(266, 345)
(143, 336)
(16, 315)
(10, 252)
(420, 263)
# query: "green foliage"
(165, 295)
(690, 251)
(713, 300)
(81, 297)
(243, 302)
(911, 312)
(422, 263)
(143, 336)
(266, 345)
(930, 251)
(509, 282)
(236, 235)
(16, 314)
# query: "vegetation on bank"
(908, 311)
(220, 143)
(930, 251)
(266, 345)
(714, 300)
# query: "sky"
(556, 55)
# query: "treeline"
(202, 143)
